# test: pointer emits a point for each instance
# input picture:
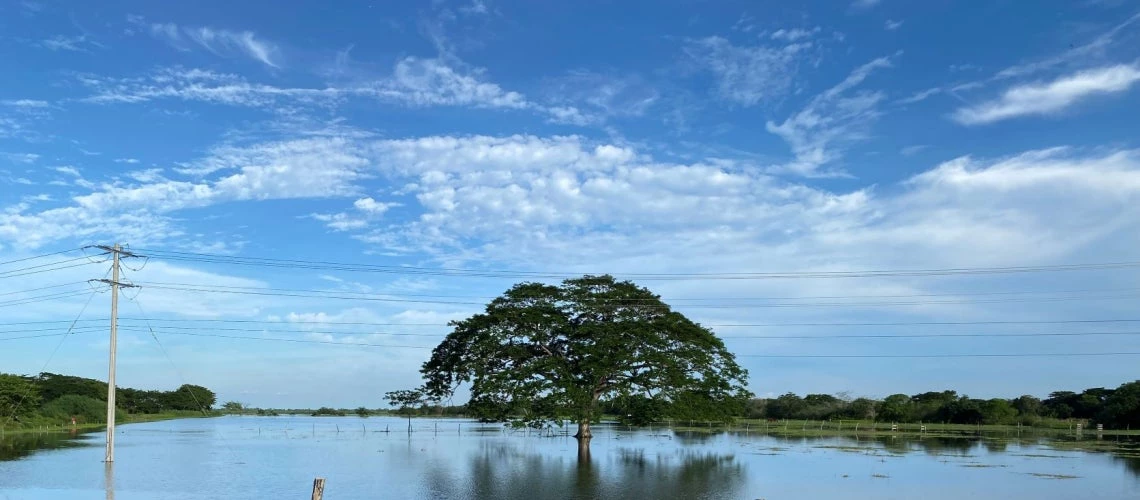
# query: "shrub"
(86, 410)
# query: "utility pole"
(116, 253)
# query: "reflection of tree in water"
(15, 446)
(504, 471)
(696, 437)
(1132, 463)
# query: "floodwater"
(278, 457)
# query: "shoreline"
(54, 428)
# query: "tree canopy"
(542, 353)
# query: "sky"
(562, 138)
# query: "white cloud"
(793, 34)
(218, 41)
(414, 82)
(341, 221)
(529, 201)
(892, 25)
(317, 167)
(748, 75)
(203, 86)
(69, 170)
(131, 161)
(818, 132)
(25, 103)
(371, 206)
(21, 157)
(1077, 56)
(913, 150)
(864, 4)
(921, 95)
(69, 43)
(432, 82)
(586, 97)
(476, 7)
(1050, 98)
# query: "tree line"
(1115, 408)
(58, 397)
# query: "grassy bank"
(41, 425)
(853, 427)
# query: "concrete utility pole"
(116, 252)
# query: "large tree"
(543, 353)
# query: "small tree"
(541, 353)
(18, 395)
(362, 412)
(406, 401)
(232, 407)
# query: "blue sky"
(630, 138)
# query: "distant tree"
(190, 397)
(325, 411)
(895, 408)
(786, 406)
(861, 409)
(362, 412)
(540, 353)
(232, 407)
(998, 411)
(1060, 404)
(640, 410)
(1027, 406)
(1122, 408)
(406, 402)
(757, 408)
(53, 386)
(19, 396)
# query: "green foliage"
(1115, 408)
(407, 401)
(1122, 408)
(232, 407)
(363, 412)
(57, 397)
(52, 386)
(139, 401)
(325, 411)
(895, 408)
(85, 409)
(190, 397)
(998, 411)
(541, 353)
(19, 396)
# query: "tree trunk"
(584, 435)
(583, 452)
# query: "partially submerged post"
(319, 488)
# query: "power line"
(6, 275)
(38, 256)
(725, 337)
(416, 270)
(61, 285)
(962, 355)
(55, 351)
(298, 341)
(485, 298)
(341, 295)
(717, 325)
(44, 298)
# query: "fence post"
(319, 488)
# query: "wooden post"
(319, 488)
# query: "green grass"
(40, 425)
(816, 428)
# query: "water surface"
(278, 457)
